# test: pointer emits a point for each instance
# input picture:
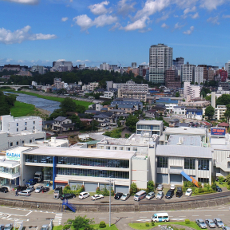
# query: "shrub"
(98, 191)
(150, 186)
(221, 179)
(153, 224)
(133, 189)
(82, 189)
(147, 224)
(187, 221)
(228, 179)
(228, 187)
(102, 224)
(67, 226)
(213, 186)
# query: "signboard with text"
(13, 156)
(218, 131)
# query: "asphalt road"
(34, 219)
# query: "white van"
(160, 217)
(140, 195)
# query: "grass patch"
(182, 223)
(22, 109)
(115, 133)
(224, 184)
(57, 227)
(55, 98)
(113, 227)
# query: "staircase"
(70, 206)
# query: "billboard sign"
(13, 156)
(218, 131)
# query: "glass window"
(203, 180)
(162, 162)
(25, 123)
(189, 163)
(11, 143)
(203, 164)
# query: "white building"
(170, 107)
(179, 110)
(187, 72)
(191, 91)
(198, 74)
(150, 126)
(62, 66)
(104, 66)
(39, 69)
(227, 67)
(220, 111)
(107, 95)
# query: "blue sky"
(115, 31)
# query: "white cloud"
(83, 21)
(124, 8)
(188, 10)
(196, 15)
(164, 26)
(226, 16)
(163, 17)
(29, 2)
(117, 25)
(61, 60)
(83, 61)
(178, 26)
(99, 8)
(151, 7)
(212, 4)
(18, 36)
(103, 20)
(137, 25)
(188, 32)
(214, 20)
(64, 19)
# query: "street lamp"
(110, 180)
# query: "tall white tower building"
(160, 59)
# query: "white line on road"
(182, 216)
(28, 213)
(143, 217)
(195, 215)
(208, 215)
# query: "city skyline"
(117, 32)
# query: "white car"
(97, 197)
(24, 193)
(188, 192)
(160, 187)
(150, 195)
(83, 195)
(38, 189)
(30, 188)
(172, 186)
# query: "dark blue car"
(31, 182)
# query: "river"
(38, 102)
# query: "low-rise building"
(151, 126)
(194, 114)
(220, 111)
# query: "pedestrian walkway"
(58, 219)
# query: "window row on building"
(189, 163)
(9, 170)
(149, 127)
(92, 173)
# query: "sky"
(118, 32)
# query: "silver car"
(210, 223)
(159, 195)
(226, 228)
(201, 223)
(150, 195)
(125, 197)
(218, 222)
(160, 187)
(38, 189)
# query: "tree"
(177, 94)
(227, 112)
(131, 122)
(209, 111)
(80, 223)
(223, 100)
(150, 186)
(75, 119)
(68, 105)
(133, 189)
(228, 179)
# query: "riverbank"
(21, 109)
(51, 97)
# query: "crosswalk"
(58, 219)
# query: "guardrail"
(193, 202)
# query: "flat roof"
(185, 130)
(184, 140)
(80, 152)
(183, 151)
(149, 122)
(9, 164)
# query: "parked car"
(83, 195)
(8, 227)
(31, 182)
(125, 196)
(225, 228)
(201, 223)
(4, 189)
(188, 192)
(160, 187)
(30, 188)
(210, 223)
(20, 188)
(179, 192)
(1, 227)
(24, 193)
(160, 195)
(218, 222)
(218, 189)
(45, 227)
(97, 196)
(45, 189)
(140, 195)
(39, 189)
(172, 186)
(169, 194)
(118, 195)
(150, 195)
(67, 196)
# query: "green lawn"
(54, 98)
(57, 227)
(22, 109)
(96, 226)
(182, 223)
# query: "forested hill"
(6, 102)
(85, 76)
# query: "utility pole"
(110, 181)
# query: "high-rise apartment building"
(227, 68)
(178, 62)
(172, 78)
(160, 59)
(205, 74)
(134, 65)
(198, 75)
(104, 66)
(187, 72)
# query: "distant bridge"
(15, 87)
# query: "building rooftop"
(80, 152)
(185, 130)
(149, 122)
(184, 140)
(183, 151)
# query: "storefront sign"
(218, 131)
(13, 156)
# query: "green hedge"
(75, 190)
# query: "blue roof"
(167, 101)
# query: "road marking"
(182, 216)
(28, 213)
(208, 215)
(144, 220)
(195, 215)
